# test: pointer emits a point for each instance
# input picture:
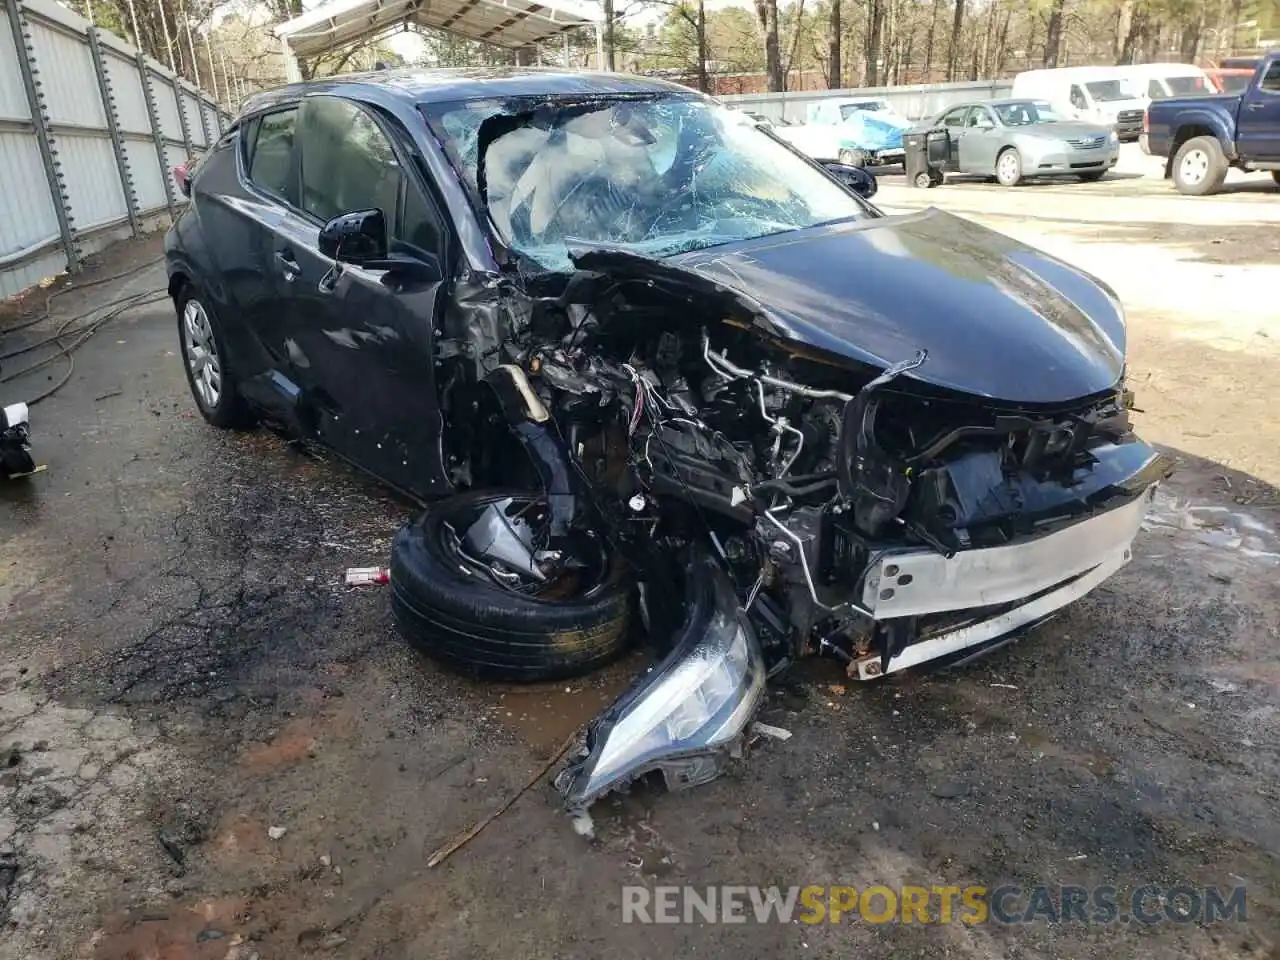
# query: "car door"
(953, 122)
(362, 338)
(980, 145)
(1258, 124)
(248, 233)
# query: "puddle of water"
(1215, 526)
(545, 714)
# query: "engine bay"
(659, 413)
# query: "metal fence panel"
(27, 218)
(93, 181)
(913, 102)
(70, 87)
(194, 123)
(131, 105)
(166, 105)
(13, 98)
(173, 155)
(148, 180)
(75, 172)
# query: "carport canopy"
(505, 23)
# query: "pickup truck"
(1202, 137)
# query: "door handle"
(288, 266)
(1254, 105)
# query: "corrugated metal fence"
(89, 133)
(913, 102)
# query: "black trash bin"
(925, 153)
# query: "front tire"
(1199, 167)
(1009, 167)
(202, 341)
(1093, 176)
(476, 627)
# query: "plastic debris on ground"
(364, 576)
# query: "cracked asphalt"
(210, 748)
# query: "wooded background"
(761, 45)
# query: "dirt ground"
(211, 750)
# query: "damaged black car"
(657, 376)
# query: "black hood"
(997, 318)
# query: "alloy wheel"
(202, 354)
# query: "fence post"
(157, 134)
(204, 123)
(44, 135)
(113, 128)
(182, 116)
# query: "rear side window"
(1154, 90)
(1271, 80)
(269, 153)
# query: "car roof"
(441, 85)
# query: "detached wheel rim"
(202, 354)
(1008, 167)
(507, 542)
(1194, 167)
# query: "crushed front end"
(888, 439)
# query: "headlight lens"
(1115, 137)
(682, 716)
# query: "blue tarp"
(872, 130)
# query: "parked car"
(1012, 140)
(657, 373)
(1202, 137)
(1089, 94)
(856, 131)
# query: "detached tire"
(1199, 167)
(471, 625)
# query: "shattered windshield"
(654, 176)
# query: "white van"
(1092, 94)
(1159, 81)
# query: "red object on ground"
(360, 576)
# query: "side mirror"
(357, 237)
(855, 178)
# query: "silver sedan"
(1016, 139)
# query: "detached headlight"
(687, 715)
